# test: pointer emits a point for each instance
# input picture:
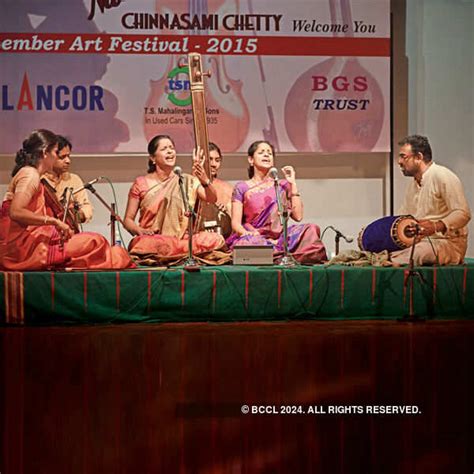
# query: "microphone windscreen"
(273, 173)
(177, 170)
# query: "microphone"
(88, 184)
(177, 170)
(347, 238)
(273, 173)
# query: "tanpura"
(209, 217)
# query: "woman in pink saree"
(161, 233)
(30, 239)
(255, 218)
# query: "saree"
(260, 213)
(32, 247)
(162, 211)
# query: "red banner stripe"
(117, 43)
(246, 290)
(405, 278)
(374, 284)
(464, 282)
(14, 298)
(182, 288)
(149, 292)
(117, 290)
(214, 291)
(279, 289)
(52, 291)
(342, 289)
(85, 292)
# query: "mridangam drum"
(387, 233)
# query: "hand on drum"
(423, 228)
(428, 227)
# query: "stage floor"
(167, 398)
(235, 293)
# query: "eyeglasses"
(403, 156)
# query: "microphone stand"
(190, 264)
(113, 220)
(411, 317)
(337, 239)
(114, 217)
(287, 260)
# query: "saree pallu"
(260, 213)
(161, 204)
(24, 248)
(162, 211)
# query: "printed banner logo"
(52, 97)
(178, 85)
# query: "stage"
(234, 293)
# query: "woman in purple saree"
(255, 218)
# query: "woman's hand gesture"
(289, 173)
(198, 168)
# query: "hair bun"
(21, 155)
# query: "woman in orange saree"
(161, 233)
(30, 239)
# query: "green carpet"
(234, 293)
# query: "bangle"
(206, 185)
(295, 195)
(46, 218)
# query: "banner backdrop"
(308, 75)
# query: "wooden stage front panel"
(168, 398)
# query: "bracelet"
(295, 195)
(206, 185)
(46, 218)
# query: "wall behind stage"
(440, 54)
